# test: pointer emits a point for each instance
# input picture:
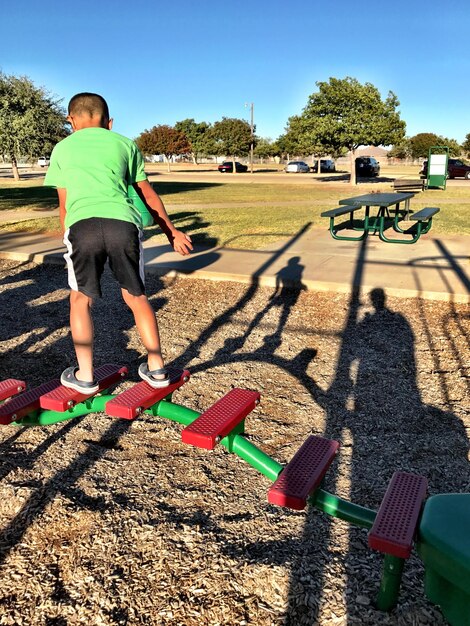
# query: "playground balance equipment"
(438, 527)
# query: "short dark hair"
(89, 103)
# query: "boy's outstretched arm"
(179, 240)
(62, 193)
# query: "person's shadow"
(287, 292)
(374, 408)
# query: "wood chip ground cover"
(105, 521)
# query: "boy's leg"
(81, 326)
(147, 326)
(125, 254)
(85, 257)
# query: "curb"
(163, 270)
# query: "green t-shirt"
(96, 167)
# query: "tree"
(232, 137)
(292, 141)
(299, 141)
(466, 145)
(165, 140)
(455, 149)
(31, 120)
(401, 150)
(199, 137)
(265, 148)
(347, 114)
(421, 143)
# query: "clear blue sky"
(158, 62)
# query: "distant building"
(374, 151)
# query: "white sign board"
(437, 165)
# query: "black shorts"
(92, 242)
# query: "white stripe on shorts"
(141, 257)
(67, 256)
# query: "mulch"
(107, 522)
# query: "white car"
(43, 161)
(297, 166)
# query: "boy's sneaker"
(68, 379)
(149, 376)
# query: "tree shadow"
(165, 188)
(18, 197)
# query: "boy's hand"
(181, 242)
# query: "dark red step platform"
(220, 419)
(132, 402)
(397, 518)
(304, 473)
(11, 387)
(25, 403)
(63, 398)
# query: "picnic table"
(391, 210)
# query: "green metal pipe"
(263, 463)
(236, 444)
(342, 509)
(255, 457)
(46, 417)
(175, 412)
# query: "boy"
(92, 169)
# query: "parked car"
(227, 166)
(367, 166)
(297, 166)
(455, 169)
(43, 161)
(327, 165)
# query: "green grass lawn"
(244, 215)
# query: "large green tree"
(199, 137)
(299, 141)
(163, 139)
(232, 138)
(466, 145)
(421, 143)
(344, 113)
(31, 120)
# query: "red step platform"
(132, 402)
(220, 419)
(63, 398)
(397, 518)
(304, 473)
(11, 387)
(25, 403)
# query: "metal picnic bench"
(392, 208)
(406, 184)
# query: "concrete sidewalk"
(435, 267)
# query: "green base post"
(390, 583)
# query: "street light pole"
(252, 139)
(252, 135)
